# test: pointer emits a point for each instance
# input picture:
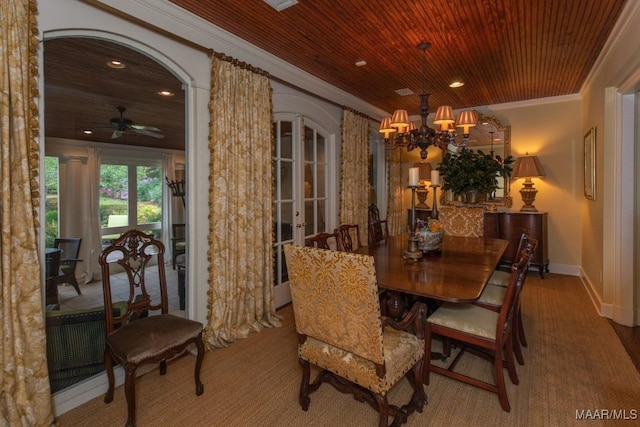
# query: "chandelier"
(398, 131)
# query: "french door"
(301, 200)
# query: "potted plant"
(473, 174)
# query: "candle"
(435, 177)
(414, 176)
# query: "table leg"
(396, 305)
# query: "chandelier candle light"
(398, 131)
(413, 252)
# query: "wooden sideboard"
(510, 225)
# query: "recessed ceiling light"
(404, 92)
(165, 93)
(456, 84)
(87, 132)
(361, 63)
(115, 63)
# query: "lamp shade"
(385, 127)
(424, 170)
(466, 119)
(444, 115)
(400, 119)
(528, 167)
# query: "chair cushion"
(151, 336)
(467, 318)
(181, 245)
(493, 295)
(402, 350)
(499, 278)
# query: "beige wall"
(552, 130)
(618, 67)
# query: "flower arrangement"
(430, 224)
(430, 234)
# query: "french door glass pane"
(149, 197)
(114, 195)
(52, 205)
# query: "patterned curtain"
(396, 216)
(241, 293)
(25, 397)
(354, 170)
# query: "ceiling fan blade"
(142, 127)
(116, 134)
(147, 133)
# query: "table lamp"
(424, 175)
(528, 167)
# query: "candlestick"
(434, 211)
(412, 252)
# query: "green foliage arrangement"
(469, 170)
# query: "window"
(130, 196)
(51, 206)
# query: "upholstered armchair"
(340, 330)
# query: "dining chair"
(323, 241)
(348, 237)
(378, 232)
(373, 213)
(341, 331)
(476, 328)
(145, 333)
(465, 221)
(492, 298)
(178, 242)
(69, 252)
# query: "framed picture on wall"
(590, 164)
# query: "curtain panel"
(241, 283)
(354, 171)
(396, 216)
(25, 399)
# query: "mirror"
(492, 137)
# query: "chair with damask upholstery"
(341, 331)
(348, 237)
(145, 333)
(466, 221)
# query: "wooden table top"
(458, 274)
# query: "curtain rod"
(196, 46)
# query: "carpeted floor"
(575, 364)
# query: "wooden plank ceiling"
(503, 50)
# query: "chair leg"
(502, 391)
(108, 367)
(426, 360)
(130, 393)
(304, 384)
(511, 365)
(199, 359)
(523, 339)
(383, 409)
(74, 283)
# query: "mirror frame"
(506, 200)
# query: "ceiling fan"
(122, 126)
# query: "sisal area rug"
(576, 373)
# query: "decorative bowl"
(429, 241)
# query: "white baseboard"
(567, 270)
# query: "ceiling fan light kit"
(123, 126)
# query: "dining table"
(458, 272)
